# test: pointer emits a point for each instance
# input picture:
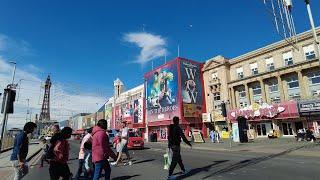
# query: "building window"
(240, 72)
(275, 99)
(256, 90)
(216, 96)
(314, 78)
(293, 82)
(309, 52)
(294, 96)
(273, 87)
(214, 76)
(288, 59)
(254, 68)
(270, 64)
(243, 104)
(316, 93)
(242, 93)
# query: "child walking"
(45, 148)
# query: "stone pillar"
(302, 85)
(306, 86)
(247, 93)
(281, 89)
(263, 91)
(233, 98)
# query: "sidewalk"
(6, 170)
(263, 145)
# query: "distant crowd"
(94, 154)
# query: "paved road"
(148, 164)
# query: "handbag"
(167, 159)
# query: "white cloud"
(63, 102)
(152, 46)
(14, 47)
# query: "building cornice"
(274, 73)
(272, 47)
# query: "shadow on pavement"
(201, 169)
(125, 177)
(144, 161)
(249, 162)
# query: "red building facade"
(174, 89)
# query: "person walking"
(86, 138)
(58, 164)
(45, 149)
(88, 165)
(217, 136)
(20, 150)
(55, 133)
(123, 145)
(174, 141)
(101, 150)
(212, 135)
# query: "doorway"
(287, 129)
(298, 125)
(263, 129)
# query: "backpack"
(50, 153)
(53, 141)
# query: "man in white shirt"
(124, 145)
(87, 137)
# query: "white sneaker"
(128, 163)
(113, 163)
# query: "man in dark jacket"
(58, 164)
(174, 141)
(20, 150)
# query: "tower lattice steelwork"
(45, 110)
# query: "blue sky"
(85, 45)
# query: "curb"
(7, 149)
(11, 175)
(10, 148)
(34, 154)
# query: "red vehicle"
(135, 141)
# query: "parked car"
(112, 134)
(135, 141)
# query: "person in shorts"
(123, 145)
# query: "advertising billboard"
(138, 111)
(162, 93)
(191, 86)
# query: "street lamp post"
(28, 112)
(312, 26)
(5, 114)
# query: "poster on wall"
(235, 132)
(127, 110)
(163, 133)
(191, 88)
(162, 93)
(138, 111)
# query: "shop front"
(174, 89)
(310, 111)
(282, 118)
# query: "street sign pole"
(4, 121)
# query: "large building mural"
(191, 87)
(162, 93)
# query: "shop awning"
(256, 112)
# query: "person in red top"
(101, 150)
(59, 164)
